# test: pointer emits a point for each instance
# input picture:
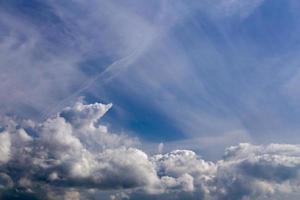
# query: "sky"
(174, 99)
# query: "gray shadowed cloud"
(73, 154)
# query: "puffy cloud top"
(72, 155)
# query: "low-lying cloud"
(73, 156)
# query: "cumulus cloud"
(249, 170)
(4, 147)
(71, 154)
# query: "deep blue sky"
(186, 73)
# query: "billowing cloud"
(72, 154)
(5, 147)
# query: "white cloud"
(4, 147)
(72, 151)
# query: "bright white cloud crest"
(71, 150)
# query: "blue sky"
(176, 72)
(139, 99)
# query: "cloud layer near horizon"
(71, 155)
